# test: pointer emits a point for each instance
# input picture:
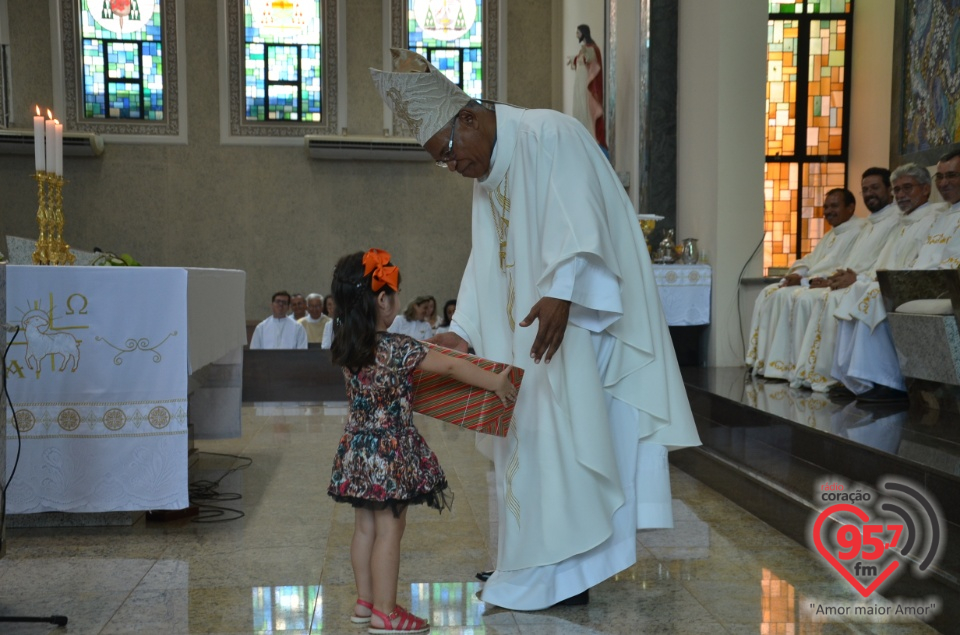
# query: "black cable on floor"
(743, 342)
(205, 490)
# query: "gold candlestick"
(60, 250)
(50, 248)
(41, 251)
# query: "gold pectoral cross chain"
(501, 221)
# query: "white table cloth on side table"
(684, 293)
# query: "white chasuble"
(814, 352)
(550, 199)
(773, 337)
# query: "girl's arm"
(462, 370)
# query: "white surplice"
(279, 333)
(865, 354)
(817, 328)
(552, 218)
(777, 330)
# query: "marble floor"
(274, 557)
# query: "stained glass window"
(449, 33)
(122, 59)
(282, 60)
(806, 124)
(810, 6)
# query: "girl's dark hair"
(447, 305)
(355, 327)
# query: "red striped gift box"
(461, 404)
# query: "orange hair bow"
(377, 261)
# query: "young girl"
(383, 465)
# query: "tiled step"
(772, 465)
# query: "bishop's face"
(464, 146)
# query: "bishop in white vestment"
(557, 255)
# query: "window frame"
(800, 156)
(68, 78)
(234, 128)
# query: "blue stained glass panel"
(282, 60)
(450, 35)
(122, 59)
(124, 100)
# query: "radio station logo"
(871, 537)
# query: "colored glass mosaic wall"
(826, 86)
(808, 6)
(282, 60)
(781, 87)
(805, 124)
(122, 59)
(781, 186)
(449, 33)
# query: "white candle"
(51, 152)
(58, 145)
(38, 148)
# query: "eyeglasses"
(906, 188)
(278, 301)
(447, 155)
(946, 176)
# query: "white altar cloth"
(98, 380)
(684, 293)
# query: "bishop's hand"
(552, 315)
(449, 340)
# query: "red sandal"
(408, 623)
(361, 619)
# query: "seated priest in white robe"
(314, 321)
(279, 330)
(816, 328)
(866, 361)
(772, 339)
(557, 256)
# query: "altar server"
(279, 330)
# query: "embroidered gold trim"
(501, 222)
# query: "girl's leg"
(361, 548)
(385, 564)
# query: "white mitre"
(419, 94)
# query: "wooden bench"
(291, 375)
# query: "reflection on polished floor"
(283, 567)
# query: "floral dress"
(382, 460)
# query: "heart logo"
(865, 591)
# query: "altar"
(99, 377)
